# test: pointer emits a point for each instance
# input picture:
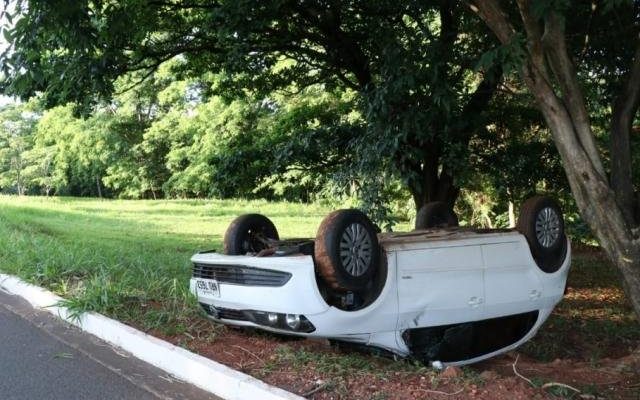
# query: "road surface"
(44, 358)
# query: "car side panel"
(512, 283)
(440, 285)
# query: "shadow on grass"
(594, 320)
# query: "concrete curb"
(191, 368)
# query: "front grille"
(224, 313)
(240, 275)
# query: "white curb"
(209, 375)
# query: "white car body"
(434, 278)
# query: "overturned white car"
(439, 293)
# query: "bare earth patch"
(588, 349)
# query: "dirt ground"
(302, 367)
(588, 349)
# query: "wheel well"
(355, 300)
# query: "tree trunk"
(512, 215)
(567, 118)
(19, 186)
(436, 183)
(98, 185)
(434, 187)
(625, 108)
(599, 208)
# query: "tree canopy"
(413, 65)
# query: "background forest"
(381, 106)
(182, 138)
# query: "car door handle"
(474, 301)
(534, 294)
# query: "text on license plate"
(208, 287)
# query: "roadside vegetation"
(130, 260)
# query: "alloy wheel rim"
(547, 227)
(355, 249)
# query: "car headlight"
(272, 319)
(293, 321)
(288, 322)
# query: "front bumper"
(237, 304)
(299, 294)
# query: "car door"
(440, 285)
(512, 284)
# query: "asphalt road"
(44, 358)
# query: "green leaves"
(510, 56)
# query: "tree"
(16, 127)
(536, 34)
(411, 62)
(77, 152)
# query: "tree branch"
(625, 108)
(183, 5)
(491, 13)
(479, 100)
(534, 38)
(580, 170)
(345, 49)
(555, 48)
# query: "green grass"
(337, 364)
(127, 259)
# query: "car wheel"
(541, 222)
(347, 254)
(249, 233)
(436, 214)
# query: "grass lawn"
(130, 261)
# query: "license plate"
(208, 288)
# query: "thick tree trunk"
(567, 118)
(436, 183)
(621, 177)
(598, 206)
(438, 188)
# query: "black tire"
(249, 233)
(541, 222)
(436, 214)
(342, 235)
